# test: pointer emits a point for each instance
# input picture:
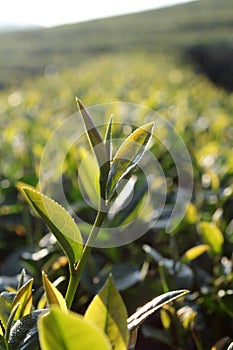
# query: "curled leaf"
(148, 309)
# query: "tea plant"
(105, 324)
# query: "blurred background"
(174, 58)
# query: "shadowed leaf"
(148, 309)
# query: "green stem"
(76, 271)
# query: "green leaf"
(21, 279)
(24, 299)
(148, 309)
(211, 235)
(11, 320)
(194, 252)
(88, 174)
(58, 221)
(107, 310)
(93, 134)
(128, 156)
(108, 139)
(97, 145)
(53, 295)
(59, 330)
(6, 300)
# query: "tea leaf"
(6, 300)
(108, 139)
(148, 309)
(58, 221)
(59, 330)
(128, 156)
(11, 320)
(97, 145)
(24, 333)
(211, 235)
(93, 134)
(89, 175)
(24, 299)
(194, 252)
(53, 295)
(108, 311)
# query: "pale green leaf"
(194, 252)
(58, 221)
(108, 139)
(59, 330)
(53, 295)
(128, 156)
(97, 145)
(88, 173)
(6, 300)
(24, 299)
(94, 136)
(148, 309)
(107, 310)
(211, 235)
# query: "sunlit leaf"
(88, 173)
(58, 221)
(108, 139)
(59, 330)
(97, 145)
(148, 309)
(211, 235)
(128, 156)
(194, 252)
(24, 299)
(165, 318)
(191, 214)
(6, 300)
(53, 295)
(10, 320)
(108, 311)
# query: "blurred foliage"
(158, 261)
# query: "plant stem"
(76, 271)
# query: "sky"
(48, 13)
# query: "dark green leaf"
(24, 331)
(147, 310)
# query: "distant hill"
(174, 29)
(12, 27)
